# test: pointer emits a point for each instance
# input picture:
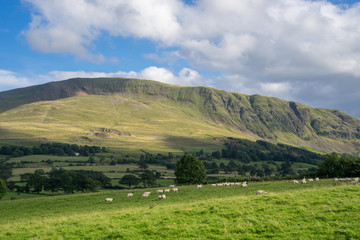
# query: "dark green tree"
(190, 170)
(3, 188)
(143, 165)
(35, 183)
(5, 171)
(129, 180)
(148, 178)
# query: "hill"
(142, 114)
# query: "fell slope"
(133, 113)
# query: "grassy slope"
(166, 117)
(156, 125)
(321, 210)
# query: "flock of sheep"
(172, 188)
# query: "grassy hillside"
(134, 114)
(320, 210)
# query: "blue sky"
(299, 50)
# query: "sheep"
(145, 195)
(295, 181)
(175, 189)
(311, 180)
(172, 186)
(260, 192)
(130, 194)
(237, 184)
(356, 179)
(354, 182)
(199, 186)
(109, 199)
(336, 179)
(219, 184)
(166, 190)
(161, 196)
(317, 179)
(244, 184)
(159, 191)
(213, 185)
(303, 181)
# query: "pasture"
(317, 210)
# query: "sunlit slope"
(133, 113)
(116, 121)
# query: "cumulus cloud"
(278, 47)
(9, 79)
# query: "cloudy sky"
(300, 50)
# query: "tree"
(143, 165)
(3, 188)
(36, 182)
(190, 170)
(129, 180)
(148, 178)
(5, 171)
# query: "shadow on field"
(186, 143)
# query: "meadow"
(317, 210)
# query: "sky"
(306, 51)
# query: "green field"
(318, 210)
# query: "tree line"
(62, 180)
(58, 149)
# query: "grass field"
(320, 210)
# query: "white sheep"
(213, 185)
(159, 191)
(172, 186)
(303, 181)
(260, 192)
(295, 181)
(310, 180)
(244, 184)
(199, 186)
(109, 199)
(317, 179)
(130, 194)
(175, 189)
(166, 190)
(161, 196)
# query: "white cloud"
(278, 47)
(10, 80)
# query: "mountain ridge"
(253, 116)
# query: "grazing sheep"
(166, 190)
(336, 179)
(356, 179)
(303, 181)
(317, 179)
(244, 184)
(354, 182)
(146, 194)
(172, 186)
(260, 192)
(213, 185)
(237, 184)
(109, 199)
(295, 181)
(159, 191)
(311, 180)
(161, 196)
(199, 186)
(130, 194)
(175, 189)
(219, 184)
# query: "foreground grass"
(323, 211)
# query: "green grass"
(321, 210)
